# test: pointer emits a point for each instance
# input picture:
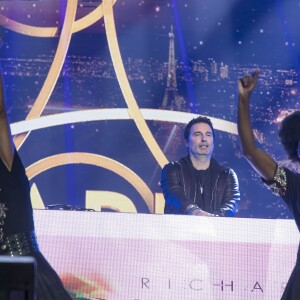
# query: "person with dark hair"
(282, 181)
(289, 134)
(197, 184)
(17, 236)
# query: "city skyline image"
(104, 108)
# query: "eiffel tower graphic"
(169, 135)
(172, 100)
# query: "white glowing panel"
(143, 256)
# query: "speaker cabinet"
(17, 278)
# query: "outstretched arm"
(6, 143)
(261, 162)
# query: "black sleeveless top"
(16, 213)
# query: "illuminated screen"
(126, 256)
(98, 93)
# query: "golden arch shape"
(54, 71)
(37, 31)
(133, 108)
(96, 160)
(57, 63)
(69, 26)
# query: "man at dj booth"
(197, 184)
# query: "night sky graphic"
(216, 42)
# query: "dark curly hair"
(289, 134)
(194, 121)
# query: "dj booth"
(125, 256)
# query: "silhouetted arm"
(6, 143)
(261, 162)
